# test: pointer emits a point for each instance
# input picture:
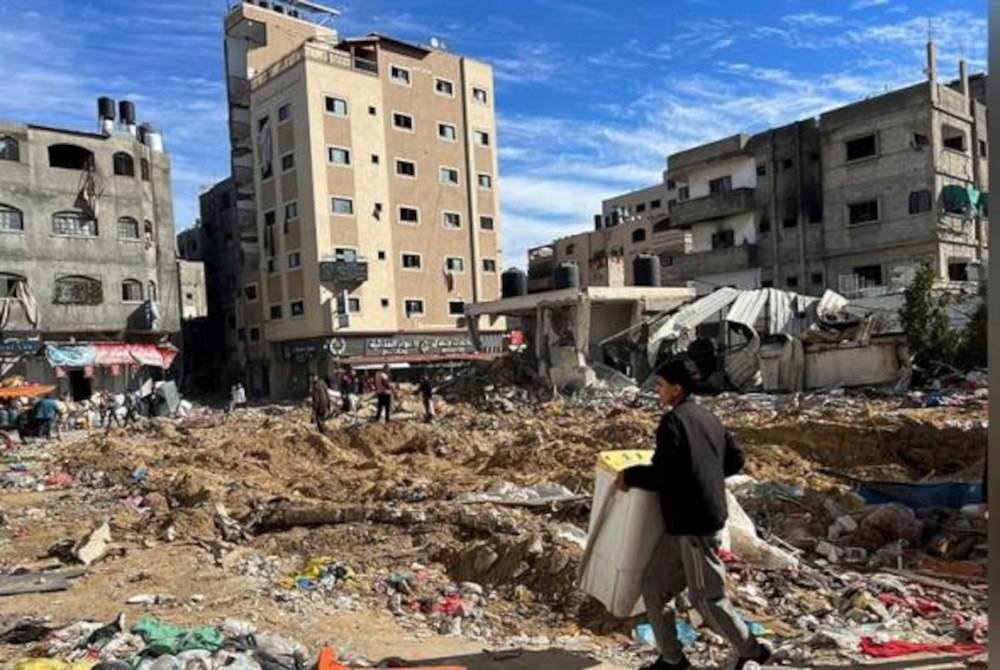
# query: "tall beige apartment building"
(365, 186)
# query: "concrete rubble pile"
(470, 530)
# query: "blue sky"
(590, 98)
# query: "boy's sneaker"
(762, 656)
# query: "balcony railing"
(346, 271)
(715, 206)
(716, 261)
(323, 53)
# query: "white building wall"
(743, 171)
(745, 231)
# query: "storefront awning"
(109, 353)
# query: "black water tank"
(126, 111)
(567, 275)
(513, 283)
(106, 108)
(646, 270)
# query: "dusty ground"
(407, 474)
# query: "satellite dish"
(436, 43)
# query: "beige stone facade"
(373, 177)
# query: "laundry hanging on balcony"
(964, 200)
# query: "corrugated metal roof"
(779, 310)
(747, 307)
(688, 317)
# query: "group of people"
(351, 386)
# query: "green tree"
(925, 321)
(972, 351)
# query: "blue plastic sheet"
(951, 495)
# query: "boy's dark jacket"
(694, 455)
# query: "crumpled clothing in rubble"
(162, 638)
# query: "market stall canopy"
(26, 391)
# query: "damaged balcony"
(347, 270)
(714, 206)
(715, 261)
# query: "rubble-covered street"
(449, 539)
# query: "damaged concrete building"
(853, 200)
(88, 277)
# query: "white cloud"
(811, 19)
(867, 4)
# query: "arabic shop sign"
(397, 345)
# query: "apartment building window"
(790, 222)
(414, 307)
(486, 222)
(123, 164)
(982, 148)
(489, 265)
(144, 169)
(353, 305)
(272, 265)
(480, 96)
(131, 290)
(345, 255)
(485, 181)
(720, 185)
(128, 228)
(11, 219)
(402, 121)
(953, 138)
(640, 208)
(241, 334)
(406, 168)
(409, 215)
(723, 239)
(336, 106)
(284, 112)
(384, 302)
(399, 75)
(920, 201)
(250, 292)
(761, 169)
(792, 281)
(449, 176)
(656, 204)
(482, 138)
(297, 308)
(860, 147)
(816, 278)
(869, 275)
(255, 334)
(639, 235)
(294, 260)
(70, 157)
(683, 193)
(456, 307)
(291, 212)
(787, 164)
(958, 269)
(287, 162)
(372, 111)
(454, 264)
(275, 312)
(444, 87)
(74, 224)
(863, 212)
(447, 132)
(375, 159)
(10, 150)
(451, 220)
(764, 226)
(338, 156)
(381, 255)
(671, 184)
(412, 262)
(342, 206)
(78, 290)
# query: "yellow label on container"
(616, 461)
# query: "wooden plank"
(39, 582)
(936, 583)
